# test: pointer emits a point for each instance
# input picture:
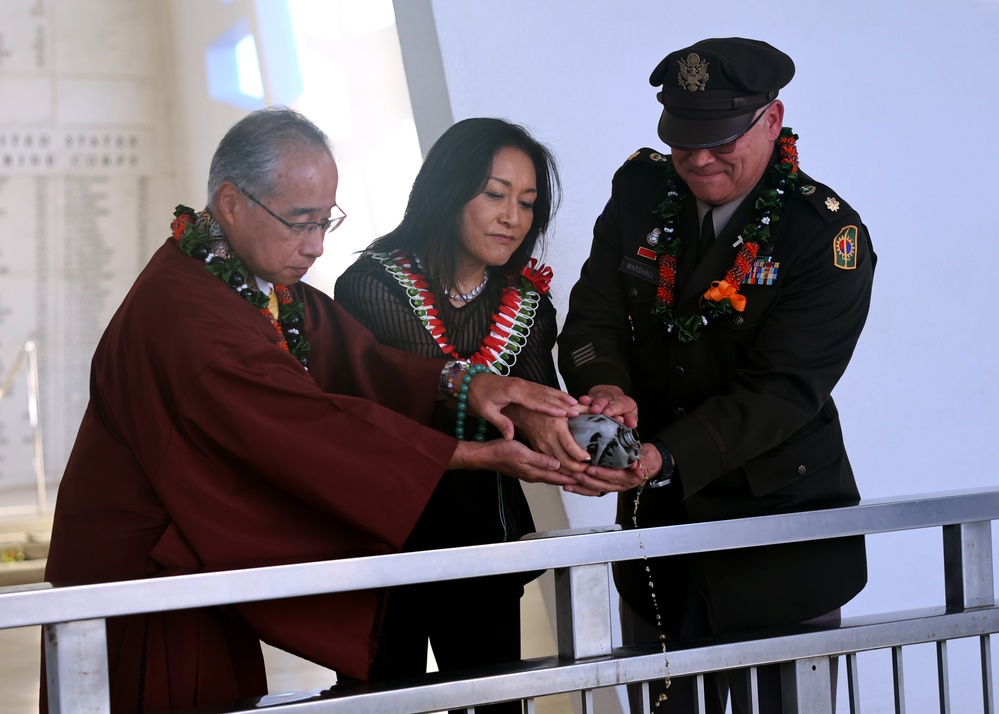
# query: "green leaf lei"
(754, 235)
(199, 236)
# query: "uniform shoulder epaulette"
(645, 160)
(649, 156)
(826, 202)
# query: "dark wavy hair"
(455, 171)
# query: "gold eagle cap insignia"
(693, 74)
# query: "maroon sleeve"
(346, 359)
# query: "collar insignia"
(693, 74)
(807, 190)
(832, 204)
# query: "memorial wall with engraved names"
(82, 131)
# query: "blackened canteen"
(609, 442)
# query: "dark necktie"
(707, 234)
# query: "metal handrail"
(565, 550)
(964, 516)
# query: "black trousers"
(681, 696)
(468, 623)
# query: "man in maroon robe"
(208, 445)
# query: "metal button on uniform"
(633, 292)
(679, 411)
(738, 319)
(802, 470)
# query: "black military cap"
(711, 89)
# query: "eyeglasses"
(327, 226)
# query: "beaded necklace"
(470, 295)
(722, 297)
(199, 236)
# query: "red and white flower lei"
(511, 324)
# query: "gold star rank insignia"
(832, 204)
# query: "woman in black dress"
(457, 280)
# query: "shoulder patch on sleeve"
(845, 246)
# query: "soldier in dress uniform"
(722, 299)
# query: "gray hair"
(251, 151)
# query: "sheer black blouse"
(378, 301)
(468, 507)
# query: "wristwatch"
(665, 475)
(448, 377)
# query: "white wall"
(896, 107)
(85, 150)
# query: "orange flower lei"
(722, 296)
(198, 240)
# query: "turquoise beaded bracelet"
(459, 425)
